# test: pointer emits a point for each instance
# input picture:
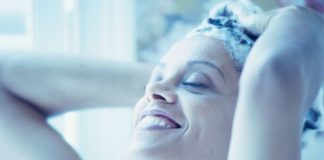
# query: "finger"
(247, 14)
(256, 24)
(232, 8)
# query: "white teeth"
(153, 121)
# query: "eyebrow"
(203, 62)
(207, 63)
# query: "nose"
(160, 92)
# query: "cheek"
(210, 116)
(139, 106)
(210, 123)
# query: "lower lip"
(157, 128)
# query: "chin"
(137, 154)
(155, 150)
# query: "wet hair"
(228, 30)
(223, 24)
(313, 121)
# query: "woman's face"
(188, 106)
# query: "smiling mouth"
(157, 122)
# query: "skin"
(200, 97)
(35, 87)
(72, 82)
(264, 121)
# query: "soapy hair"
(224, 25)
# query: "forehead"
(197, 48)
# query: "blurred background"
(128, 30)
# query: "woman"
(189, 102)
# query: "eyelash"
(195, 85)
(192, 83)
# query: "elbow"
(283, 75)
(271, 69)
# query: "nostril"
(158, 97)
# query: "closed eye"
(195, 85)
(196, 82)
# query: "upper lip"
(158, 112)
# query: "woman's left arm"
(280, 80)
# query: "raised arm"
(58, 83)
(33, 87)
(280, 80)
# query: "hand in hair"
(280, 80)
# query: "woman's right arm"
(33, 87)
(58, 83)
(25, 134)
